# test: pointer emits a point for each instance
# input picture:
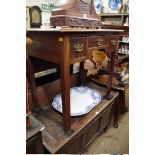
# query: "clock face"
(35, 16)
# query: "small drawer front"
(97, 41)
(78, 47)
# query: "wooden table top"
(61, 29)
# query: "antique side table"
(30, 78)
(28, 43)
(66, 46)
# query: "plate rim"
(114, 9)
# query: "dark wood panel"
(43, 44)
(91, 132)
(41, 65)
(34, 145)
(104, 120)
(47, 92)
(73, 147)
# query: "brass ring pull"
(99, 42)
(78, 47)
(113, 42)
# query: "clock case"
(75, 13)
(32, 24)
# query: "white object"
(82, 100)
(126, 22)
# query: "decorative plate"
(98, 6)
(82, 100)
(113, 4)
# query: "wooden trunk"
(84, 129)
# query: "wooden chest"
(84, 128)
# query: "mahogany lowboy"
(66, 47)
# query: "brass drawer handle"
(78, 47)
(113, 42)
(99, 42)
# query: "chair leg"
(31, 78)
(28, 123)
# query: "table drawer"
(78, 47)
(97, 41)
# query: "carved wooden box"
(75, 13)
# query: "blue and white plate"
(98, 6)
(82, 100)
(113, 4)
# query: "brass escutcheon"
(99, 42)
(113, 42)
(78, 47)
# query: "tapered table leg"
(65, 84)
(111, 70)
(113, 49)
(32, 82)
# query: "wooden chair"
(30, 76)
(28, 124)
